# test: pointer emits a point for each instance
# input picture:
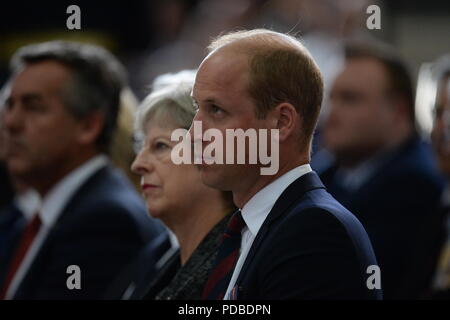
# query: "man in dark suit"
(382, 171)
(6, 188)
(290, 239)
(89, 224)
(9, 219)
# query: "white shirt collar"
(28, 202)
(57, 198)
(256, 210)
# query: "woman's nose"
(142, 163)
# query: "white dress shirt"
(28, 202)
(50, 209)
(255, 212)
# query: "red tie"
(26, 240)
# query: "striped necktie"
(227, 257)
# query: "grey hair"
(448, 91)
(171, 99)
(441, 68)
(98, 78)
(4, 93)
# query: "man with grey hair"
(89, 223)
(6, 189)
(290, 239)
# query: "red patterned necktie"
(28, 235)
(227, 257)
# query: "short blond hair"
(281, 70)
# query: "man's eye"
(215, 109)
(350, 98)
(34, 107)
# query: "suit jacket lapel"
(288, 198)
(75, 202)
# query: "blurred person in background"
(190, 34)
(6, 188)
(11, 221)
(60, 115)
(322, 25)
(441, 143)
(195, 213)
(380, 169)
(122, 155)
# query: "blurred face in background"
(441, 129)
(4, 93)
(169, 189)
(361, 116)
(42, 135)
(2, 136)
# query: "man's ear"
(90, 128)
(400, 108)
(287, 119)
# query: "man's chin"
(211, 177)
(18, 168)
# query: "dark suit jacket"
(134, 279)
(102, 228)
(6, 189)
(309, 247)
(177, 282)
(398, 207)
(12, 223)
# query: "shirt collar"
(58, 197)
(28, 203)
(256, 210)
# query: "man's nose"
(199, 125)
(198, 119)
(13, 119)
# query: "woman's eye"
(161, 146)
